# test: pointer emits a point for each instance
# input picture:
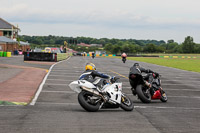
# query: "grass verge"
(184, 64)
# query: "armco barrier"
(40, 56)
(98, 55)
(179, 57)
(137, 55)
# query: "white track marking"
(53, 73)
(60, 80)
(192, 97)
(160, 107)
(182, 90)
(56, 84)
(61, 76)
(136, 107)
(65, 71)
(42, 84)
(47, 103)
(59, 92)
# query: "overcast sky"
(122, 19)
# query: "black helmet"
(136, 64)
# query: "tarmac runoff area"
(18, 83)
(57, 110)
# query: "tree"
(188, 45)
(108, 47)
(132, 48)
(125, 48)
(116, 49)
(178, 49)
(150, 48)
(160, 49)
(170, 41)
(197, 48)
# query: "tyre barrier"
(5, 54)
(41, 56)
(8, 54)
(1, 53)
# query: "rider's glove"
(112, 79)
(157, 74)
(148, 84)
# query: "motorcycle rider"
(90, 73)
(93, 54)
(123, 56)
(135, 76)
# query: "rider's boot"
(133, 91)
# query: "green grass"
(184, 64)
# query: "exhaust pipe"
(93, 92)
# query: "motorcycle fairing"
(75, 85)
(115, 96)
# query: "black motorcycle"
(93, 55)
(123, 59)
(145, 93)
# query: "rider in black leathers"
(135, 76)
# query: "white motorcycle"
(91, 98)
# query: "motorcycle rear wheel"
(84, 99)
(126, 103)
(143, 96)
(124, 60)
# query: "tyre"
(126, 103)
(143, 94)
(88, 101)
(163, 96)
(124, 60)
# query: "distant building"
(8, 30)
(24, 46)
(83, 44)
(100, 52)
(8, 35)
(7, 44)
(96, 45)
(89, 45)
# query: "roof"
(7, 40)
(24, 43)
(83, 44)
(5, 25)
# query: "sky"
(121, 19)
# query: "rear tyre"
(143, 94)
(124, 60)
(163, 96)
(88, 102)
(126, 103)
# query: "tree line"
(115, 46)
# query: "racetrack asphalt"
(20, 80)
(57, 109)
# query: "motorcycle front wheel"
(126, 103)
(124, 60)
(88, 101)
(163, 96)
